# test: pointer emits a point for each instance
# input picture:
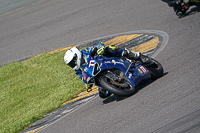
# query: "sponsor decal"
(91, 63)
(107, 62)
(85, 69)
(122, 60)
(88, 79)
(144, 70)
(101, 65)
(113, 61)
(130, 75)
(87, 56)
(140, 70)
(118, 63)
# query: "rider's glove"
(94, 51)
(100, 51)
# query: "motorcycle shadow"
(116, 98)
(191, 12)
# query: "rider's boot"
(130, 54)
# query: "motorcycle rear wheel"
(123, 88)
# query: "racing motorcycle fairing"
(135, 73)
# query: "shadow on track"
(119, 98)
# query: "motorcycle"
(120, 76)
(181, 6)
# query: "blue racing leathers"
(111, 51)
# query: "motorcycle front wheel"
(155, 69)
(120, 88)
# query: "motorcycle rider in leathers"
(75, 58)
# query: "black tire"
(105, 83)
(155, 69)
(102, 93)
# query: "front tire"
(155, 69)
(118, 88)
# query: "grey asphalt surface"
(171, 104)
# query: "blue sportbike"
(120, 76)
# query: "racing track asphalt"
(170, 104)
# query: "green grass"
(33, 88)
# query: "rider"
(178, 5)
(75, 58)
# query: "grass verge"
(33, 88)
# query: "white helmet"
(73, 58)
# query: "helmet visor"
(72, 63)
